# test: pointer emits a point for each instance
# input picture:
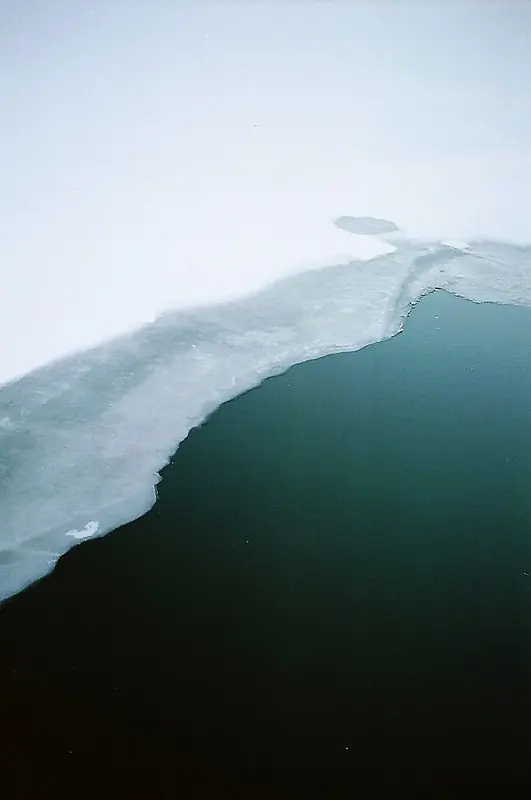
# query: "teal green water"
(335, 571)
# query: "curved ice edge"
(117, 402)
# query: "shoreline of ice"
(84, 438)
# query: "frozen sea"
(280, 256)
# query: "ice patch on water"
(87, 436)
(365, 226)
(85, 533)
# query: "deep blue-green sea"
(336, 574)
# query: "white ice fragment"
(86, 532)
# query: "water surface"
(335, 574)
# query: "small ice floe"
(86, 532)
(365, 226)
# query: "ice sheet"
(161, 155)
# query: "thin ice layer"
(83, 439)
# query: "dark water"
(333, 576)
